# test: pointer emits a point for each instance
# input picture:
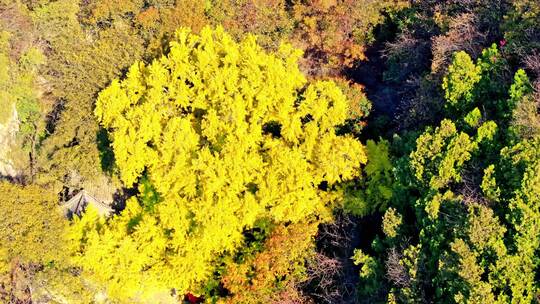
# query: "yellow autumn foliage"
(226, 134)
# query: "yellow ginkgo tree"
(226, 135)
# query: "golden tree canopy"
(226, 134)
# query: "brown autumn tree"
(334, 33)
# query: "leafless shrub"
(407, 54)
(325, 269)
(404, 43)
(331, 275)
(470, 190)
(470, 195)
(395, 271)
(420, 100)
(398, 274)
(463, 35)
(536, 94)
(326, 280)
(532, 63)
(336, 234)
(421, 103)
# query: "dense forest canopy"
(269, 151)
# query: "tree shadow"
(106, 154)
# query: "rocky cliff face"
(8, 131)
